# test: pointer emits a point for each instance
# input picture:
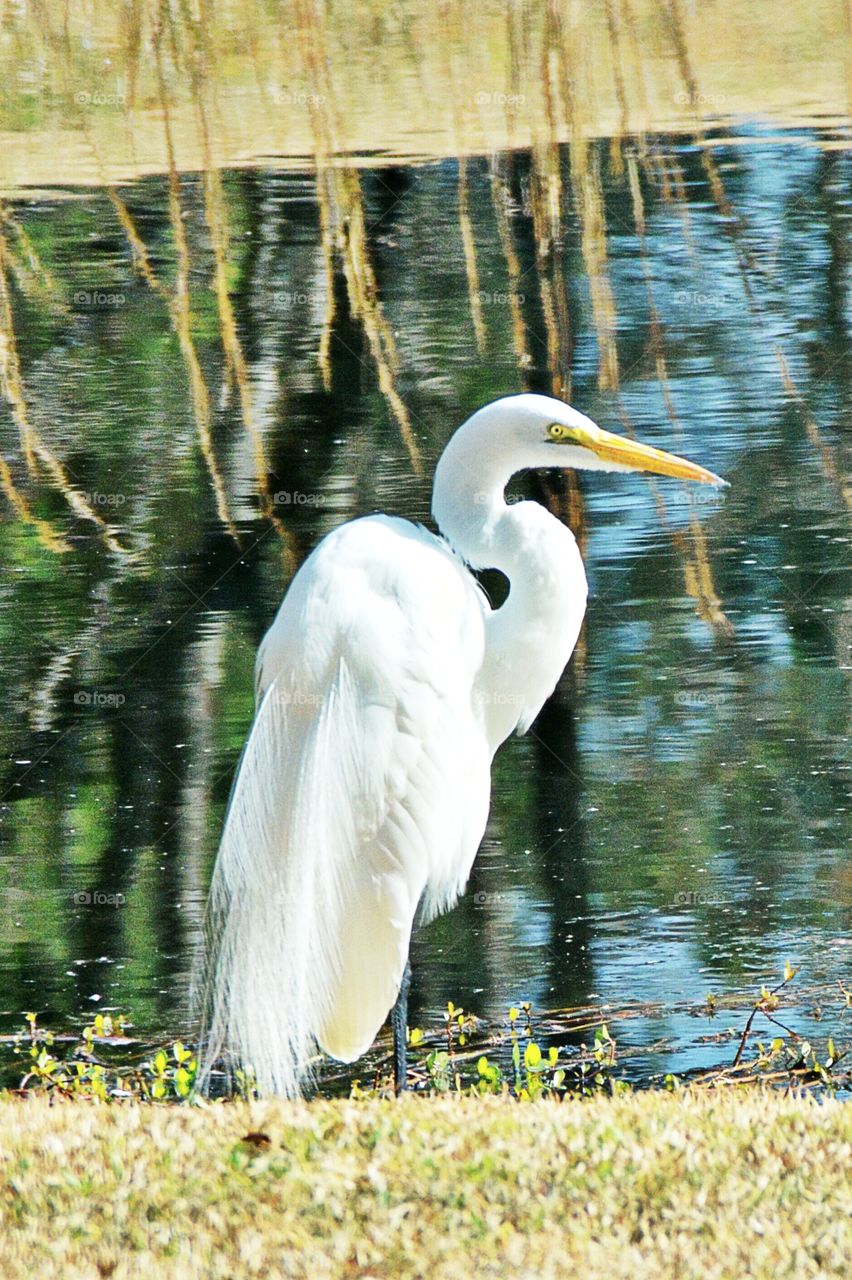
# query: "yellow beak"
(641, 457)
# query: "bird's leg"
(399, 1022)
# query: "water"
(677, 821)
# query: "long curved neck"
(467, 499)
(531, 637)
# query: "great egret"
(384, 687)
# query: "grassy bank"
(656, 1185)
(86, 102)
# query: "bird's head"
(519, 433)
(539, 431)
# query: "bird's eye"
(556, 431)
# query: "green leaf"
(532, 1055)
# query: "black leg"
(399, 1022)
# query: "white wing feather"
(362, 792)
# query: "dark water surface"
(678, 820)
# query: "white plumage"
(384, 686)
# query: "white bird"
(384, 687)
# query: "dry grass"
(651, 1185)
(81, 102)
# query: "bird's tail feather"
(310, 908)
(270, 956)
